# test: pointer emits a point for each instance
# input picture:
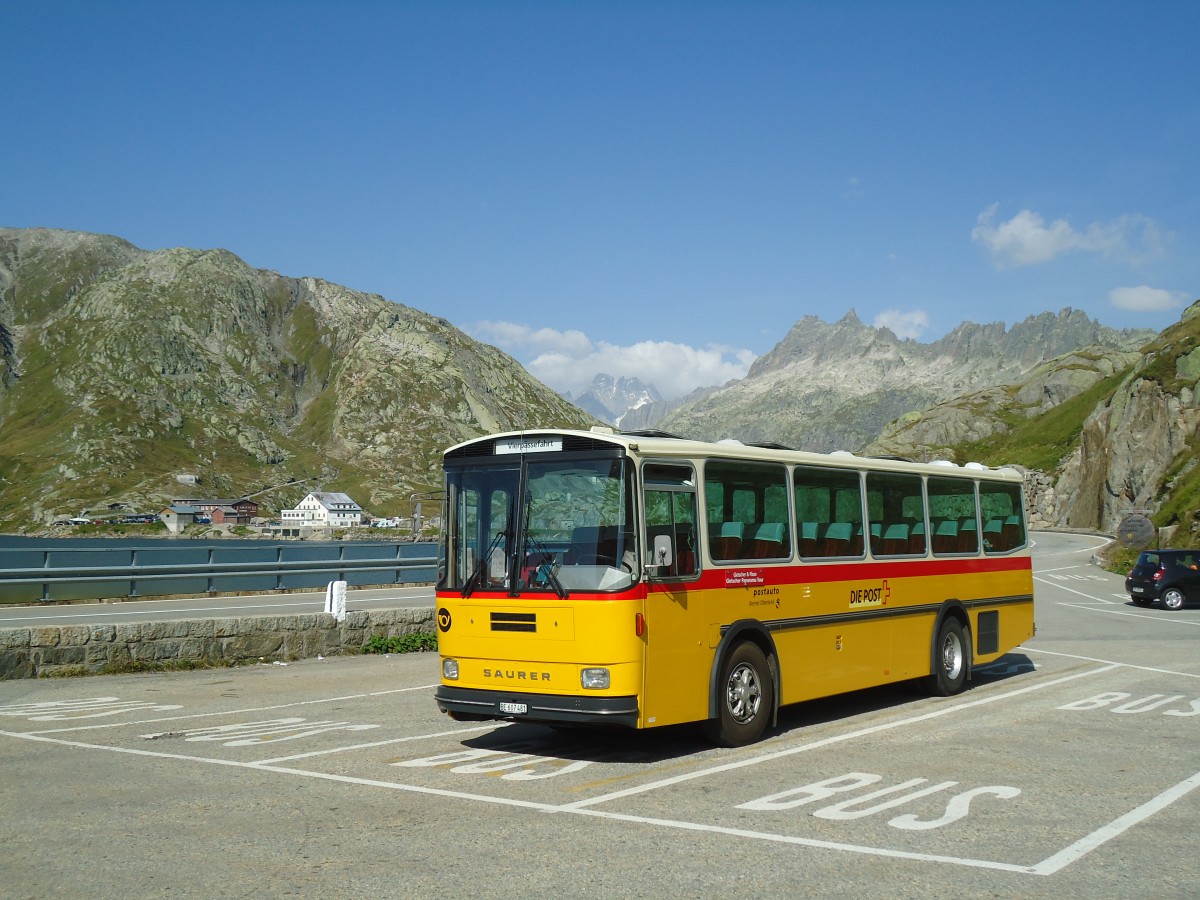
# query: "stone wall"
(79, 649)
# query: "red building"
(224, 511)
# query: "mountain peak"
(609, 398)
(835, 386)
(183, 360)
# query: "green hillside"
(135, 377)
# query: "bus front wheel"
(949, 659)
(746, 700)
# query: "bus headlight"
(594, 679)
(450, 669)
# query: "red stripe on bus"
(779, 575)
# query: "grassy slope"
(1044, 441)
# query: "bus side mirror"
(663, 551)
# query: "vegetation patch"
(1180, 493)
(1043, 441)
(1119, 559)
(417, 642)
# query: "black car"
(1172, 576)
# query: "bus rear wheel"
(747, 697)
(949, 659)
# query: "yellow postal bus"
(639, 579)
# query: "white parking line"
(238, 712)
(825, 742)
(1165, 618)
(490, 726)
(241, 764)
(811, 842)
(1080, 848)
(1063, 587)
(1049, 866)
(1110, 662)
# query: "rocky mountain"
(124, 372)
(130, 376)
(836, 386)
(1138, 447)
(1101, 433)
(611, 399)
(649, 416)
(945, 429)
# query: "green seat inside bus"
(726, 543)
(766, 541)
(838, 539)
(945, 536)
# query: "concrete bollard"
(335, 600)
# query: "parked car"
(1172, 576)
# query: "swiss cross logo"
(887, 592)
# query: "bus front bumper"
(559, 709)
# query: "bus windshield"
(541, 527)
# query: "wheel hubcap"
(743, 694)
(952, 656)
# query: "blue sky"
(659, 189)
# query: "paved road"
(1070, 770)
(204, 607)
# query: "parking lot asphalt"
(1070, 768)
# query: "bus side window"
(746, 506)
(1003, 517)
(896, 502)
(829, 507)
(669, 499)
(952, 507)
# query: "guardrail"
(76, 573)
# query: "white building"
(323, 509)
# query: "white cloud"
(1146, 299)
(569, 360)
(521, 340)
(903, 324)
(1026, 239)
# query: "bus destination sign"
(528, 445)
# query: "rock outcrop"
(1140, 448)
(835, 386)
(946, 430)
(123, 367)
(1102, 433)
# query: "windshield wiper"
(481, 566)
(547, 566)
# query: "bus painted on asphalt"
(641, 580)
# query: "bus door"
(676, 662)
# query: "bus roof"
(661, 444)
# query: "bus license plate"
(516, 709)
